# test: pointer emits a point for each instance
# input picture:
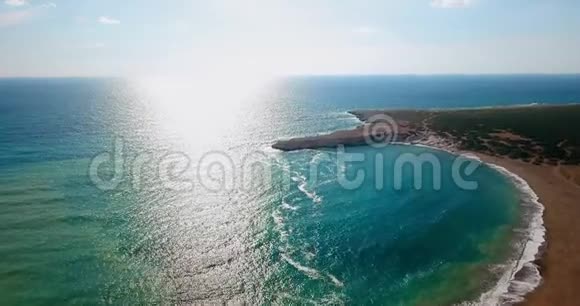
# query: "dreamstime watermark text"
(217, 171)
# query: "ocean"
(164, 191)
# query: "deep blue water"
(346, 92)
(284, 238)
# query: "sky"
(40, 38)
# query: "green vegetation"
(537, 134)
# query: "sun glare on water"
(201, 108)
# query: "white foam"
(302, 184)
(310, 194)
(288, 206)
(310, 272)
(335, 280)
(279, 222)
(510, 290)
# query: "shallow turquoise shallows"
(179, 229)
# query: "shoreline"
(555, 259)
(530, 284)
(545, 168)
(512, 287)
(522, 276)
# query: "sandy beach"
(554, 177)
(559, 192)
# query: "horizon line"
(307, 75)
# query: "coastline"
(545, 274)
(553, 268)
(546, 172)
(523, 275)
(558, 263)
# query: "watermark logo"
(417, 163)
(380, 130)
(217, 171)
(116, 159)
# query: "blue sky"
(146, 37)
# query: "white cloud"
(451, 3)
(48, 5)
(16, 2)
(16, 17)
(108, 20)
(366, 30)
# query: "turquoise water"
(276, 236)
